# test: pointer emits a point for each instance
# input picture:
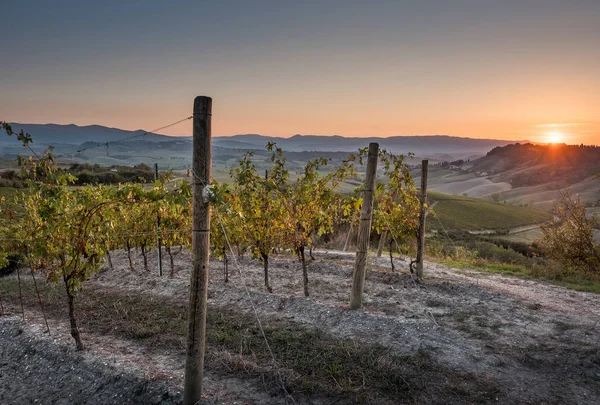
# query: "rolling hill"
(524, 165)
(525, 174)
(87, 144)
(474, 214)
(520, 174)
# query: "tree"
(570, 240)
(175, 211)
(312, 207)
(262, 205)
(226, 225)
(396, 210)
(60, 231)
(66, 230)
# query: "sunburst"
(555, 137)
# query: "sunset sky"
(484, 69)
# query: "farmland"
(468, 213)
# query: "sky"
(517, 70)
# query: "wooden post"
(364, 230)
(382, 238)
(160, 269)
(202, 161)
(422, 214)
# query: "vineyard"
(67, 232)
(88, 258)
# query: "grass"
(573, 281)
(312, 361)
(467, 213)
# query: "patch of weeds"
(578, 282)
(474, 331)
(530, 355)
(460, 316)
(385, 293)
(500, 363)
(314, 361)
(435, 302)
(495, 326)
(481, 321)
(490, 267)
(563, 326)
(481, 334)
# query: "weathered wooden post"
(382, 239)
(422, 214)
(201, 171)
(364, 230)
(159, 242)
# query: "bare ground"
(464, 336)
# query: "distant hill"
(531, 165)
(524, 174)
(47, 134)
(451, 147)
(87, 144)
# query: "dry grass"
(312, 362)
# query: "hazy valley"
(522, 174)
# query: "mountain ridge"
(75, 134)
(105, 145)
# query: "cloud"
(563, 125)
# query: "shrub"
(570, 241)
(496, 253)
(434, 248)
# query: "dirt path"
(536, 343)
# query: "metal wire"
(247, 290)
(134, 136)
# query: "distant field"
(541, 196)
(466, 213)
(477, 187)
(521, 237)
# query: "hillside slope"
(473, 214)
(525, 174)
(524, 165)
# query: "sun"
(555, 137)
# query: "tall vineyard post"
(202, 162)
(159, 241)
(422, 214)
(364, 230)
